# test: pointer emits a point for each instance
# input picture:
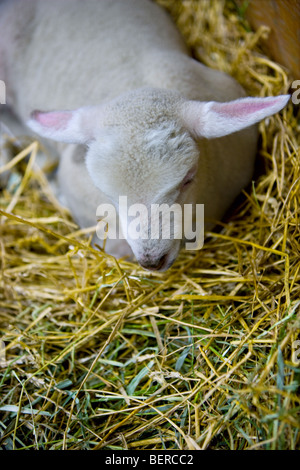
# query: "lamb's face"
(149, 175)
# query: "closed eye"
(189, 177)
(187, 183)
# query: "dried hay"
(103, 355)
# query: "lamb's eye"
(186, 183)
(189, 177)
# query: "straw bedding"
(99, 354)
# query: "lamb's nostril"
(154, 265)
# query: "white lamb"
(140, 117)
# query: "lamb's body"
(65, 54)
(70, 53)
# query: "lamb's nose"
(154, 264)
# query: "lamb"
(137, 116)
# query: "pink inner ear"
(55, 120)
(242, 109)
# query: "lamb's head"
(148, 174)
(142, 152)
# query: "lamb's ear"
(77, 126)
(212, 119)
